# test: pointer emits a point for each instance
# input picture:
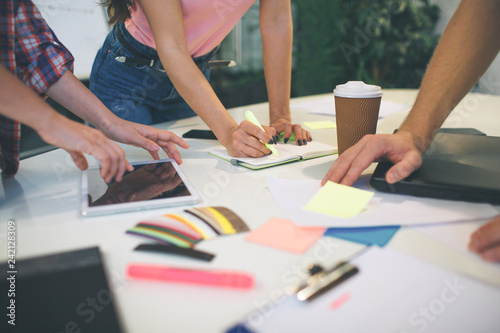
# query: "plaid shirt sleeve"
(30, 49)
(41, 58)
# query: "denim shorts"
(141, 94)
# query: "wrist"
(225, 134)
(420, 142)
(277, 115)
(47, 122)
(105, 123)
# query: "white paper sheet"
(455, 235)
(383, 209)
(392, 292)
(326, 106)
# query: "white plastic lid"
(357, 89)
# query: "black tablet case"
(65, 292)
(456, 166)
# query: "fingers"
(172, 152)
(265, 136)
(166, 136)
(148, 138)
(398, 149)
(111, 157)
(403, 169)
(168, 142)
(287, 132)
(247, 146)
(164, 140)
(351, 163)
(247, 140)
(79, 139)
(272, 131)
(492, 254)
(486, 240)
(113, 161)
(79, 159)
(302, 136)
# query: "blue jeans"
(142, 94)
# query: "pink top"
(206, 23)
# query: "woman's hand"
(286, 127)
(147, 137)
(78, 139)
(246, 140)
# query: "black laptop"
(456, 166)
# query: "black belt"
(139, 61)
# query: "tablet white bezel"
(86, 210)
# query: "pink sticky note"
(285, 235)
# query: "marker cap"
(228, 279)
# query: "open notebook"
(286, 153)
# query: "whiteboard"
(81, 25)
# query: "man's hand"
(486, 241)
(399, 148)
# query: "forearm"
(466, 49)
(197, 92)
(72, 94)
(20, 103)
(277, 36)
(166, 21)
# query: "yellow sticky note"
(326, 124)
(339, 200)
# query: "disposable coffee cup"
(356, 110)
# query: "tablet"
(152, 184)
(61, 292)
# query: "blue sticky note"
(365, 235)
(239, 328)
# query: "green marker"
(251, 118)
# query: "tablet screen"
(151, 184)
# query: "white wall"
(490, 82)
(80, 25)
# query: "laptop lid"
(455, 167)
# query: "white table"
(43, 199)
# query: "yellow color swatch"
(326, 124)
(339, 200)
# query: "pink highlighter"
(238, 280)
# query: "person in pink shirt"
(154, 66)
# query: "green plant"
(386, 42)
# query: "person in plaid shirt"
(34, 64)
